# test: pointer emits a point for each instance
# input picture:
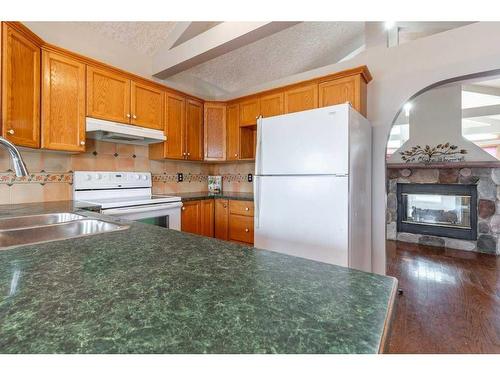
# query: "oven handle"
(130, 210)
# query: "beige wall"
(51, 174)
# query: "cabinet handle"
(134, 116)
(225, 206)
(247, 230)
(10, 131)
(128, 115)
(82, 143)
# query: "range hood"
(116, 132)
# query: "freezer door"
(308, 142)
(304, 216)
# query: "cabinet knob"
(246, 208)
(247, 230)
(189, 154)
(10, 131)
(225, 206)
(183, 208)
(128, 115)
(235, 155)
(82, 143)
(184, 154)
(134, 116)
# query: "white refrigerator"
(312, 186)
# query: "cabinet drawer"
(241, 208)
(241, 228)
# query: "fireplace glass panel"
(435, 209)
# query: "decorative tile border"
(9, 178)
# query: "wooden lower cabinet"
(240, 228)
(191, 217)
(220, 218)
(207, 218)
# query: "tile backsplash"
(51, 173)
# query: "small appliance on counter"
(215, 184)
(127, 195)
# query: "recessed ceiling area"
(297, 49)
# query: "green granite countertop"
(192, 196)
(153, 290)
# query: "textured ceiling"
(144, 37)
(297, 49)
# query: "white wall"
(436, 118)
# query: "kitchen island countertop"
(153, 290)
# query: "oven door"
(167, 215)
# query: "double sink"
(27, 230)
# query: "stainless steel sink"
(37, 220)
(54, 232)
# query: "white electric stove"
(127, 195)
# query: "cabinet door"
(301, 98)
(207, 217)
(221, 219)
(20, 89)
(241, 228)
(249, 111)
(108, 95)
(233, 133)
(194, 130)
(272, 105)
(63, 103)
(339, 91)
(215, 131)
(191, 217)
(146, 103)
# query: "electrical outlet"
(180, 177)
(250, 177)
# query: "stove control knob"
(144, 177)
(88, 177)
(136, 176)
(98, 176)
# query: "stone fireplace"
(454, 207)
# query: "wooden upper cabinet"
(63, 103)
(221, 219)
(175, 126)
(108, 95)
(194, 129)
(249, 112)
(233, 132)
(207, 218)
(349, 89)
(191, 217)
(20, 88)
(146, 105)
(215, 131)
(301, 98)
(272, 104)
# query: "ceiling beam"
(175, 34)
(480, 89)
(488, 110)
(214, 42)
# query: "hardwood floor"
(450, 301)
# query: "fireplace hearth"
(445, 210)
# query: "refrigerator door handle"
(256, 192)
(258, 151)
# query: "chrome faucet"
(17, 159)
